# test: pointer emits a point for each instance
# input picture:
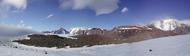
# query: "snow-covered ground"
(168, 46)
(66, 35)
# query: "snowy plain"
(166, 46)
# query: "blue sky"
(53, 14)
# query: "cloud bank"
(99, 6)
(10, 31)
(185, 22)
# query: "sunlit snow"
(167, 46)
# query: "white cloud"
(49, 16)
(18, 4)
(124, 10)
(99, 6)
(8, 5)
(23, 25)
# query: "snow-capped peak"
(59, 31)
(167, 24)
(75, 30)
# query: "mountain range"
(166, 27)
(79, 37)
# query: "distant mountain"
(166, 27)
(172, 26)
(78, 31)
(120, 34)
(167, 24)
(59, 31)
(162, 28)
(86, 31)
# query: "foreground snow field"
(168, 46)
